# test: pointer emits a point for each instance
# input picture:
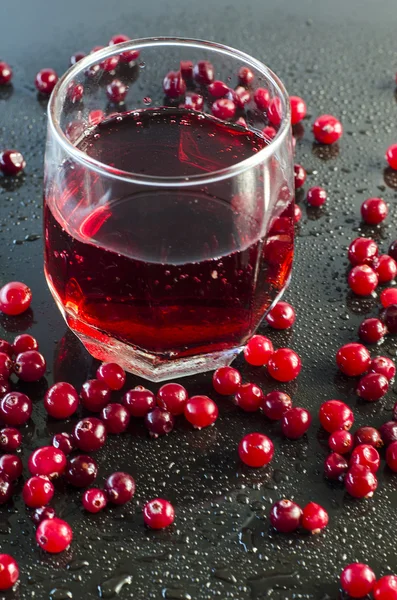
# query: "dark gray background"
(341, 57)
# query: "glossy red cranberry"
(10, 439)
(11, 465)
(295, 422)
(6, 347)
(374, 211)
(204, 72)
(391, 156)
(389, 317)
(388, 297)
(353, 359)
(115, 417)
(75, 92)
(385, 267)
(112, 375)
(369, 436)
(119, 488)
(240, 96)
(316, 196)
(110, 63)
(186, 69)
(385, 588)
(362, 280)
(281, 316)
(23, 343)
(262, 98)
(63, 441)
(77, 57)
(174, 85)
(116, 91)
(327, 129)
(9, 571)
(11, 162)
(335, 415)
(15, 298)
(94, 500)
(362, 251)
(89, 434)
(335, 466)
(285, 516)
(372, 331)
(297, 213)
(340, 441)
(224, 109)
(159, 422)
(391, 456)
(6, 366)
(5, 387)
(299, 176)
(54, 535)
(275, 112)
(269, 133)
(6, 488)
(357, 580)
(42, 513)
(284, 365)
(193, 101)
(61, 400)
(81, 470)
(46, 80)
(37, 491)
(256, 450)
(226, 381)
(258, 350)
(388, 431)
(5, 73)
(201, 411)
(372, 387)
(360, 482)
(218, 89)
(383, 365)
(298, 109)
(275, 404)
(95, 395)
(15, 409)
(47, 461)
(30, 365)
(139, 401)
(158, 513)
(249, 397)
(367, 456)
(95, 117)
(245, 75)
(314, 518)
(172, 397)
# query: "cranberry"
(61, 400)
(340, 441)
(275, 404)
(159, 422)
(224, 109)
(274, 112)
(316, 196)
(119, 488)
(269, 133)
(385, 267)
(335, 466)
(383, 365)
(193, 101)
(295, 422)
(362, 251)
(95, 117)
(353, 359)
(110, 63)
(76, 57)
(262, 98)
(46, 80)
(89, 434)
(5, 73)
(139, 401)
(30, 365)
(249, 397)
(116, 91)
(127, 56)
(391, 456)
(37, 491)
(81, 470)
(362, 280)
(63, 441)
(327, 129)
(186, 69)
(226, 381)
(389, 318)
(11, 162)
(357, 580)
(285, 516)
(47, 461)
(204, 72)
(116, 418)
(256, 450)
(388, 431)
(54, 535)
(6, 488)
(369, 436)
(75, 92)
(15, 409)
(281, 316)
(5, 366)
(314, 518)
(42, 513)
(11, 465)
(94, 500)
(372, 331)
(9, 572)
(388, 297)
(23, 343)
(374, 211)
(385, 588)
(258, 350)
(335, 415)
(367, 456)
(298, 109)
(201, 411)
(284, 365)
(391, 156)
(240, 96)
(172, 397)
(245, 75)
(6, 347)
(173, 85)
(95, 395)
(15, 298)
(10, 439)
(360, 482)
(297, 213)
(218, 89)
(5, 387)
(299, 176)
(372, 387)
(158, 513)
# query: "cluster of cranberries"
(283, 364)
(358, 580)
(369, 269)
(286, 516)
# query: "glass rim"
(59, 92)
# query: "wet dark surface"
(340, 57)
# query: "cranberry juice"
(172, 271)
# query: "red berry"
(335, 466)
(139, 401)
(193, 101)
(11, 162)
(110, 64)
(127, 56)
(388, 297)
(284, 365)
(95, 117)
(389, 317)
(385, 267)
(258, 350)
(186, 69)
(388, 431)
(281, 316)
(226, 381)
(297, 213)
(360, 482)
(54, 535)
(173, 84)
(201, 411)
(316, 196)
(275, 112)
(94, 500)
(63, 441)
(37, 491)
(61, 400)
(383, 365)
(240, 96)
(116, 91)
(275, 404)
(372, 387)
(119, 488)
(15, 409)
(362, 280)
(159, 422)
(391, 456)
(47, 461)
(269, 133)
(249, 397)
(158, 513)
(353, 359)
(245, 75)
(357, 580)
(9, 572)
(5, 73)
(172, 397)
(256, 450)
(76, 57)
(115, 417)
(42, 513)
(372, 331)
(15, 298)
(262, 98)
(335, 415)
(46, 80)
(327, 129)
(369, 436)
(95, 395)
(6, 347)
(391, 156)
(204, 72)
(340, 441)
(218, 89)
(299, 176)
(314, 518)
(10, 439)
(367, 456)
(285, 516)
(75, 92)
(111, 374)
(89, 434)
(224, 109)
(362, 251)
(81, 471)
(298, 109)
(6, 488)
(5, 366)
(295, 422)
(30, 365)
(385, 588)
(23, 343)
(11, 465)
(374, 211)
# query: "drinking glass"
(169, 224)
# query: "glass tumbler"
(168, 202)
